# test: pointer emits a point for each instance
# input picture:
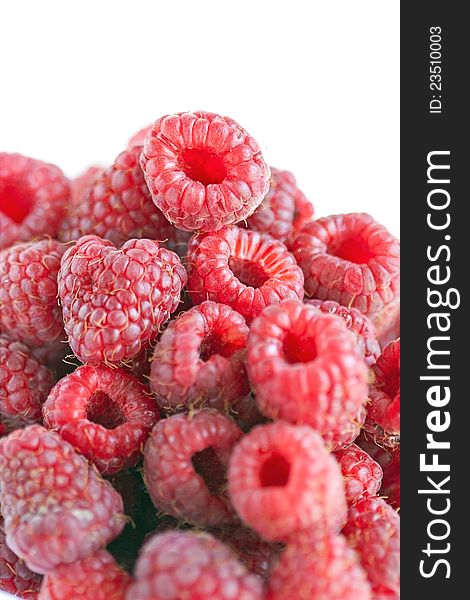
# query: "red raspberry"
(303, 211)
(353, 260)
(243, 269)
(199, 359)
(277, 212)
(389, 459)
(318, 567)
(373, 530)
(304, 368)
(185, 463)
(359, 325)
(33, 197)
(24, 383)
(282, 480)
(29, 311)
(138, 138)
(96, 577)
(57, 508)
(114, 300)
(362, 475)
(181, 565)
(106, 414)
(203, 170)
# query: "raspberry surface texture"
(181, 565)
(185, 462)
(389, 459)
(282, 481)
(199, 359)
(56, 507)
(203, 170)
(105, 413)
(244, 269)
(362, 475)
(29, 311)
(33, 198)
(115, 300)
(304, 369)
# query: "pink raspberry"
(353, 260)
(304, 368)
(244, 269)
(362, 475)
(57, 508)
(203, 170)
(181, 565)
(29, 311)
(282, 480)
(390, 334)
(33, 198)
(106, 414)
(114, 300)
(199, 359)
(185, 462)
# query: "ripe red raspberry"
(373, 530)
(106, 414)
(57, 508)
(362, 475)
(277, 212)
(179, 565)
(24, 383)
(33, 197)
(304, 369)
(282, 480)
(199, 360)
(29, 311)
(353, 260)
(318, 567)
(96, 577)
(114, 300)
(203, 170)
(243, 269)
(359, 325)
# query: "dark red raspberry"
(353, 260)
(33, 198)
(180, 565)
(318, 567)
(304, 369)
(114, 300)
(24, 383)
(277, 212)
(282, 480)
(96, 577)
(362, 475)
(199, 360)
(373, 530)
(139, 137)
(185, 463)
(29, 311)
(389, 459)
(106, 414)
(244, 269)
(203, 170)
(362, 328)
(57, 508)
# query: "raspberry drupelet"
(244, 269)
(185, 462)
(362, 475)
(203, 170)
(114, 300)
(199, 359)
(304, 368)
(282, 481)
(33, 198)
(106, 414)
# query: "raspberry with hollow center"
(282, 480)
(362, 475)
(185, 461)
(106, 414)
(244, 269)
(203, 170)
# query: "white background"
(315, 82)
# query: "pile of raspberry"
(199, 381)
